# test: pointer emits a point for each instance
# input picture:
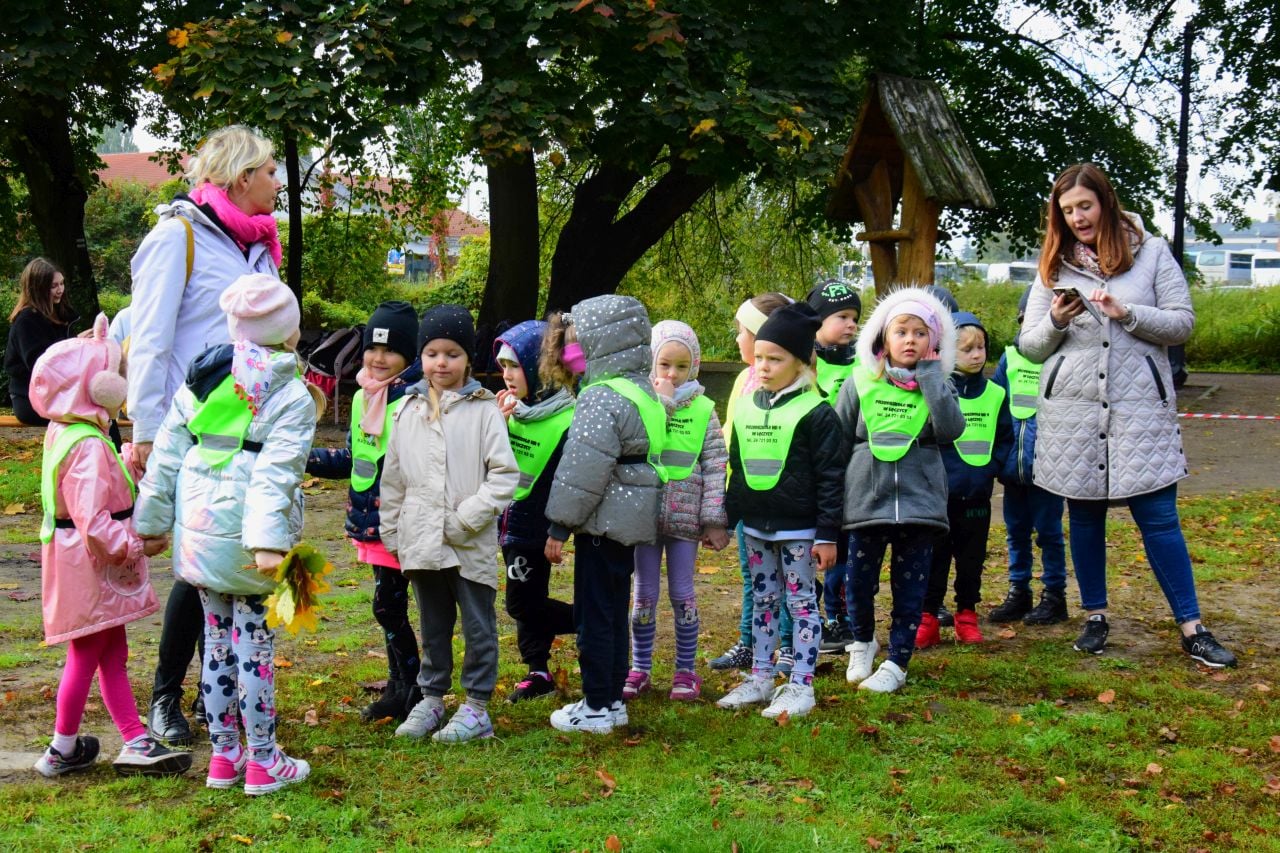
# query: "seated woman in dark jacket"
(41, 318)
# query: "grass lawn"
(1020, 743)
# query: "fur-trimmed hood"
(870, 343)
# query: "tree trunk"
(596, 248)
(292, 169)
(511, 290)
(57, 181)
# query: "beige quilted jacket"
(1107, 417)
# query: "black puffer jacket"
(810, 492)
(335, 464)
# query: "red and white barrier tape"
(1219, 416)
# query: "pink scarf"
(375, 402)
(259, 228)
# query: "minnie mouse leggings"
(239, 666)
(783, 573)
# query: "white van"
(1016, 272)
(1266, 269)
(1220, 266)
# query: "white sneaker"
(753, 691)
(795, 700)
(581, 717)
(888, 678)
(862, 656)
(619, 709)
(423, 719)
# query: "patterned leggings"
(773, 565)
(908, 578)
(681, 557)
(391, 610)
(239, 665)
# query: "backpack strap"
(191, 248)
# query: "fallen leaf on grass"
(22, 595)
(322, 749)
(15, 509)
(8, 586)
(613, 844)
(1154, 769)
(243, 839)
(310, 482)
(1274, 743)
(332, 794)
(715, 796)
(632, 741)
(283, 663)
(311, 718)
(561, 678)
(1007, 634)
(874, 843)
(784, 719)
(1106, 697)
(1261, 686)
(46, 692)
(708, 570)
(1060, 781)
(898, 771)
(317, 682)
(610, 783)
(283, 817)
(1272, 787)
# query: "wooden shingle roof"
(905, 119)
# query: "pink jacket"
(94, 574)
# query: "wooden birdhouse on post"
(908, 148)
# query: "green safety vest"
(367, 451)
(979, 437)
(220, 424)
(686, 433)
(1024, 383)
(652, 414)
(53, 457)
(832, 376)
(894, 416)
(533, 443)
(764, 436)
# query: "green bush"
(1236, 330)
(117, 215)
(112, 301)
(344, 256)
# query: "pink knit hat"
(261, 309)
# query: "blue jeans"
(1027, 510)
(833, 597)
(1156, 515)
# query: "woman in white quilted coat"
(1108, 429)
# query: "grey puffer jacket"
(220, 516)
(691, 505)
(592, 492)
(1107, 423)
(912, 490)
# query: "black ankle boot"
(389, 704)
(1051, 610)
(1016, 605)
(166, 723)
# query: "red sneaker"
(967, 630)
(927, 633)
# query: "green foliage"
(118, 216)
(112, 301)
(1236, 330)
(345, 254)
(465, 286)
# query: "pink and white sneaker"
(225, 772)
(259, 779)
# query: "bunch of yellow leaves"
(300, 581)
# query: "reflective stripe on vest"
(1024, 383)
(686, 433)
(894, 416)
(831, 377)
(220, 424)
(652, 414)
(53, 457)
(764, 436)
(976, 442)
(367, 451)
(534, 443)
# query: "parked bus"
(1222, 266)
(1266, 269)
(1016, 272)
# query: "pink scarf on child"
(375, 402)
(259, 228)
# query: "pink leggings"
(104, 653)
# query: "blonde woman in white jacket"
(1109, 302)
(448, 474)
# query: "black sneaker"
(1093, 639)
(532, 686)
(54, 763)
(835, 636)
(149, 757)
(1051, 610)
(737, 657)
(166, 723)
(1016, 604)
(1204, 648)
(945, 618)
